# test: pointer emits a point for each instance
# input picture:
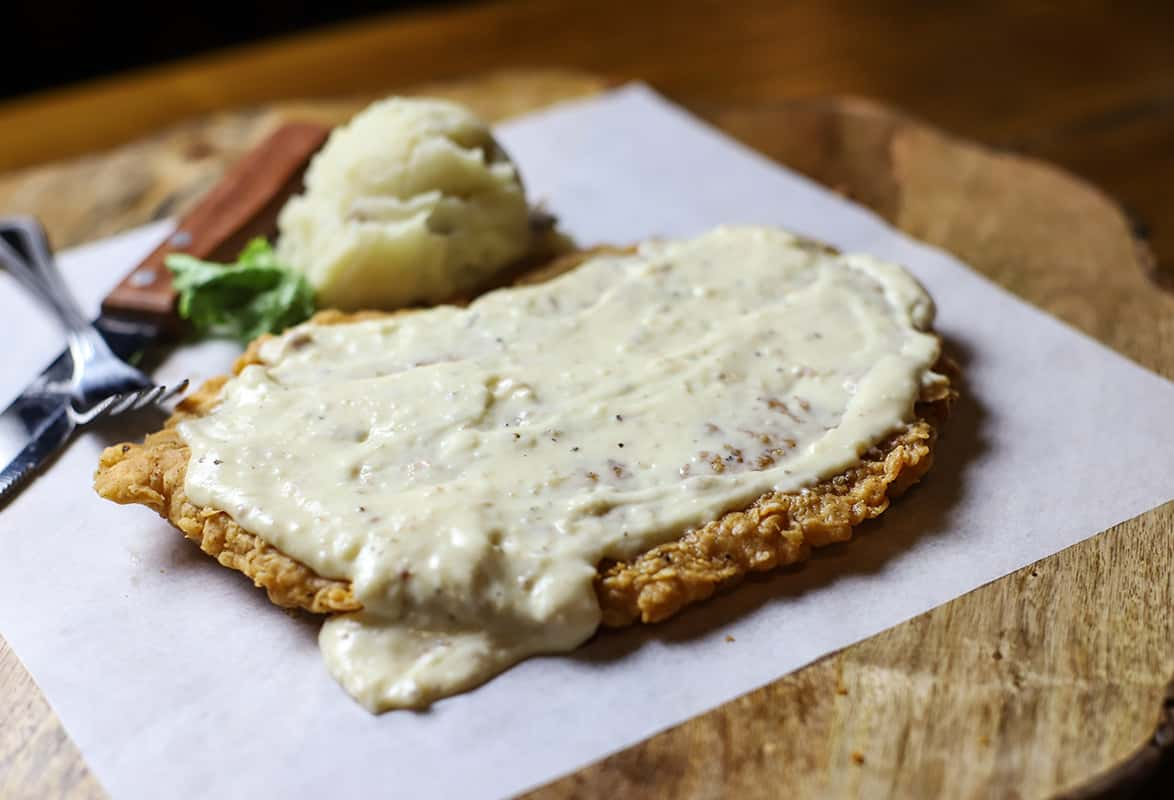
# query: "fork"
(101, 384)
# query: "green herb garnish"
(243, 300)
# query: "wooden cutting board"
(1026, 687)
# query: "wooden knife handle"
(244, 204)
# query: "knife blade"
(140, 310)
(41, 410)
(52, 430)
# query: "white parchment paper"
(178, 679)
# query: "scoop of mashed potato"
(411, 202)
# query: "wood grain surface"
(1026, 687)
(1088, 84)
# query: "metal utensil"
(91, 383)
(141, 308)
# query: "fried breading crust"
(152, 474)
(777, 530)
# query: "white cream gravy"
(467, 468)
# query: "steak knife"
(140, 310)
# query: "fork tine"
(172, 392)
(146, 397)
(97, 411)
(125, 403)
(104, 408)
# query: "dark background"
(48, 43)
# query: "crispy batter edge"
(778, 529)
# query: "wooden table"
(1025, 687)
